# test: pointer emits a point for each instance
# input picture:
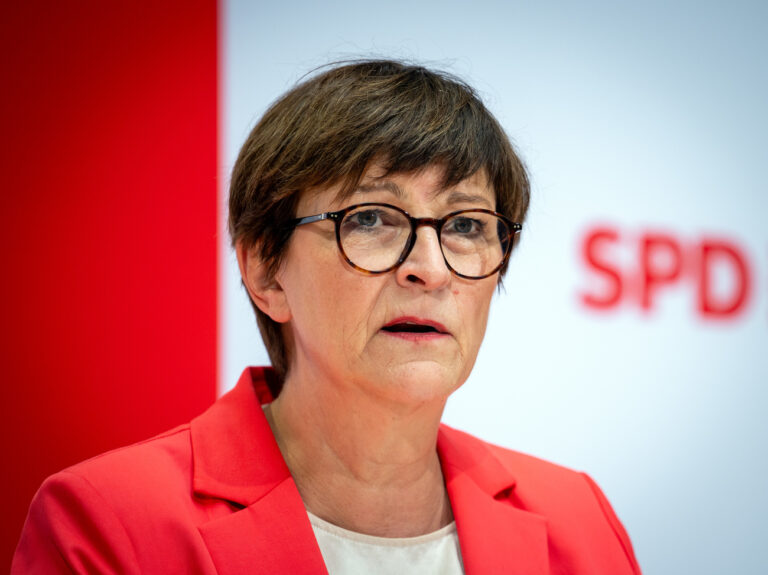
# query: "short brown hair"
(329, 129)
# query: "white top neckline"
(324, 525)
(348, 552)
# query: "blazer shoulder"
(573, 505)
(165, 456)
(119, 512)
(517, 462)
(154, 474)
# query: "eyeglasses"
(376, 238)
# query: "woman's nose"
(425, 265)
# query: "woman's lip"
(416, 336)
(441, 329)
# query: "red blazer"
(215, 496)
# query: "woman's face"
(357, 331)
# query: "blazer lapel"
(494, 536)
(271, 536)
(236, 459)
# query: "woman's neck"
(361, 465)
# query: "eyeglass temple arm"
(317, 218)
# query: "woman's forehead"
(429, 182)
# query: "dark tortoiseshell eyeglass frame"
(436, 223)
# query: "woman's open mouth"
(415, 329)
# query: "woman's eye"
(366, 221)
(464, 226)
(368, 218)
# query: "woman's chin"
(419, 382)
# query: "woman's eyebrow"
(451, 196)
(385, 185)
(459, 197)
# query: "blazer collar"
(236, 458)
(495, 536)
(235, 455)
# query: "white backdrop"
(643, 119)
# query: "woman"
(373, 210)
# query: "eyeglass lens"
(474, 243)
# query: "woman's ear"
(265, 291)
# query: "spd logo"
(637, 269)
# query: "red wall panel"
(107, 230)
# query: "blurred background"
(629, 341)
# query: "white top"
(347, 552)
